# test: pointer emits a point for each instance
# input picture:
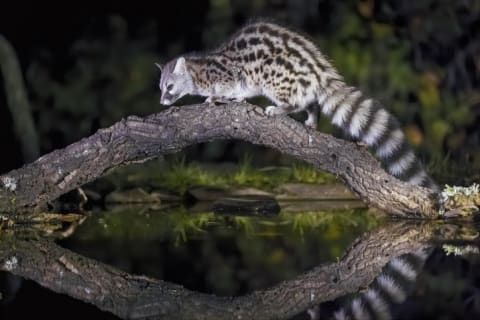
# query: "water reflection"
(312, 293)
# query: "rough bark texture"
(138, 139)
(139, 297)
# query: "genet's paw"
(310, 122)
(271, 111)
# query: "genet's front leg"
(217, 100)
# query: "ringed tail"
(365, 119)
(390, 288)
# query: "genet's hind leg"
(312, 113)
(280, 97)
(279, 110)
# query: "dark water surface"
(321, 255)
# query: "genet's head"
(175, 82)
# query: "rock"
(139, 195)
(306, 191)
(246, 205)
(164, 195)
(206, 193)
(250, 192)
(211, 193)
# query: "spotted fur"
(270, 60)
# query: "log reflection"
(134, 297)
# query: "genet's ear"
(180, 66)
(159, 66)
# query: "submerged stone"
(246, 205)
(205, 193)
(138, 195)
(211, 193)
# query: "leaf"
(428, 93)
(414, 134)
(440, 129)
(365, 8)
(381, 30)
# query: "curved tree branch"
(139, 139)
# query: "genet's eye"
(170, 87)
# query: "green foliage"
(177, 224)
(178, 175)
(134, 223)
(331, 221)
(308, 174)
(398, 66)
(247, 175)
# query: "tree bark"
(138, 139)
(138, 297)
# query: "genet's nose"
(165, 101)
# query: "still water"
(168, 263)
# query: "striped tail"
(366, 120)
(391, 287)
